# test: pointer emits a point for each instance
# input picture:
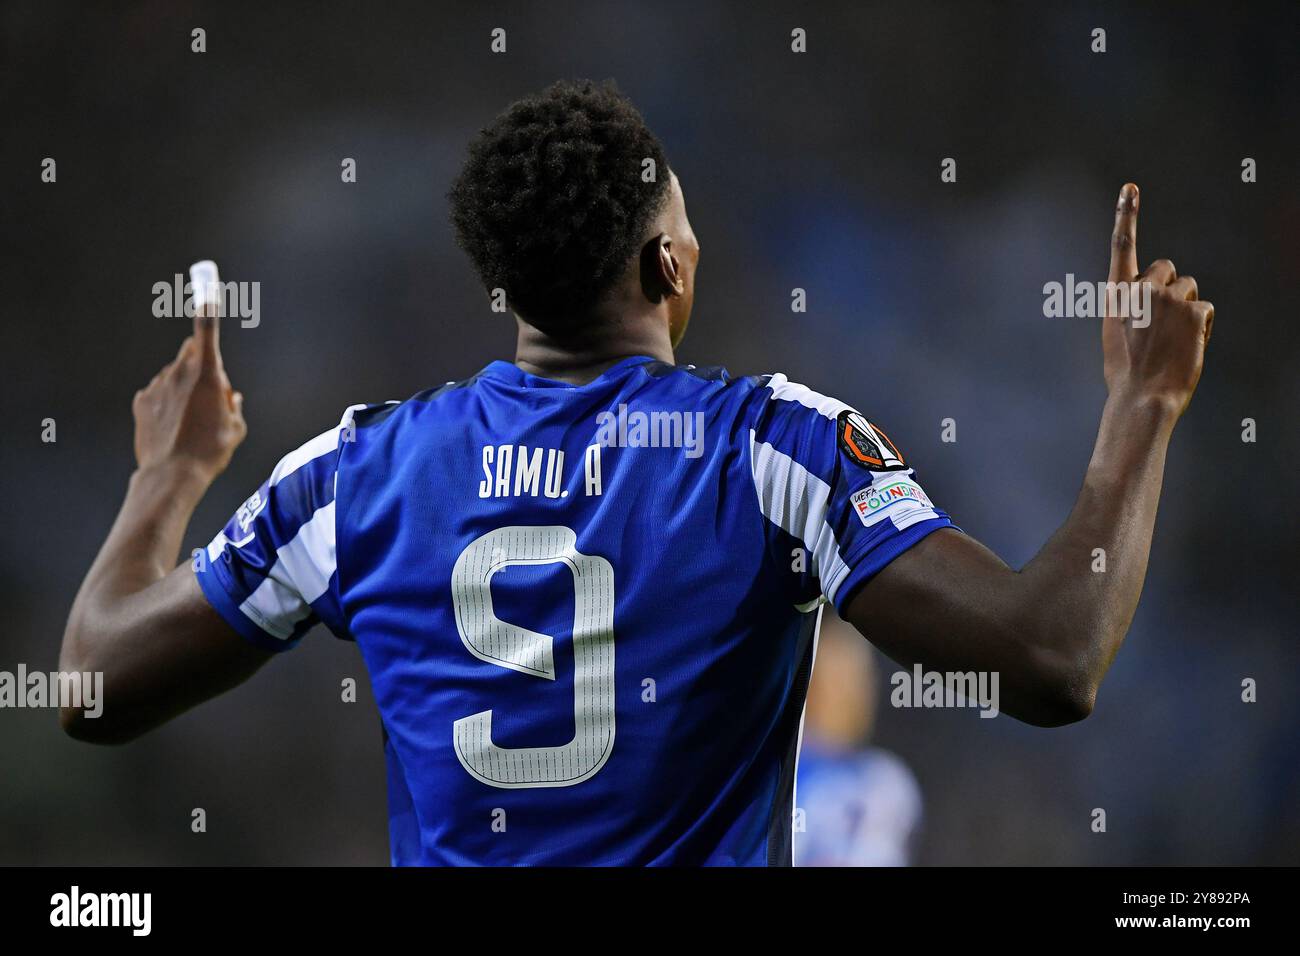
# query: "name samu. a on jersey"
(515, 579)
(518, 470)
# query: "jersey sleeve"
(271, 572)
(839, 499)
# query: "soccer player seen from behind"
(586, 583)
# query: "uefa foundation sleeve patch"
(896, 497)
(866, 444)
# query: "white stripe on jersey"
(789, 391)
(217, 545)
(322, 444)
(300, 575)
(796, 501)
(304, 565)
(275, 605)
(309, 558)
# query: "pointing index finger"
(1123, 241)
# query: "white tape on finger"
(205, 284)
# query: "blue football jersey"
(588, 612)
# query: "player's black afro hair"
(551, 204)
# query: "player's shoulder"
(318, 454)
(782, 406)
(758, 388)
(376, 414)
(767, 403)
(769, 398)
(780, 388)
(796, 413)
(718, 374)
(711, 382)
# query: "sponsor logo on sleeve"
(895, 498)
(249, 511)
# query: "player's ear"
(661, 273)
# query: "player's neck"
(579, 359)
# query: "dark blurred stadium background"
(818, 171)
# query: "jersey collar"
(513, 375)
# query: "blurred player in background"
(858, 805)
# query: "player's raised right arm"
(1052, 629)
(138, 619)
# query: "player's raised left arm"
(1052, 628)
(139, 618)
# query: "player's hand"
(1159, 361)
(189, 416)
